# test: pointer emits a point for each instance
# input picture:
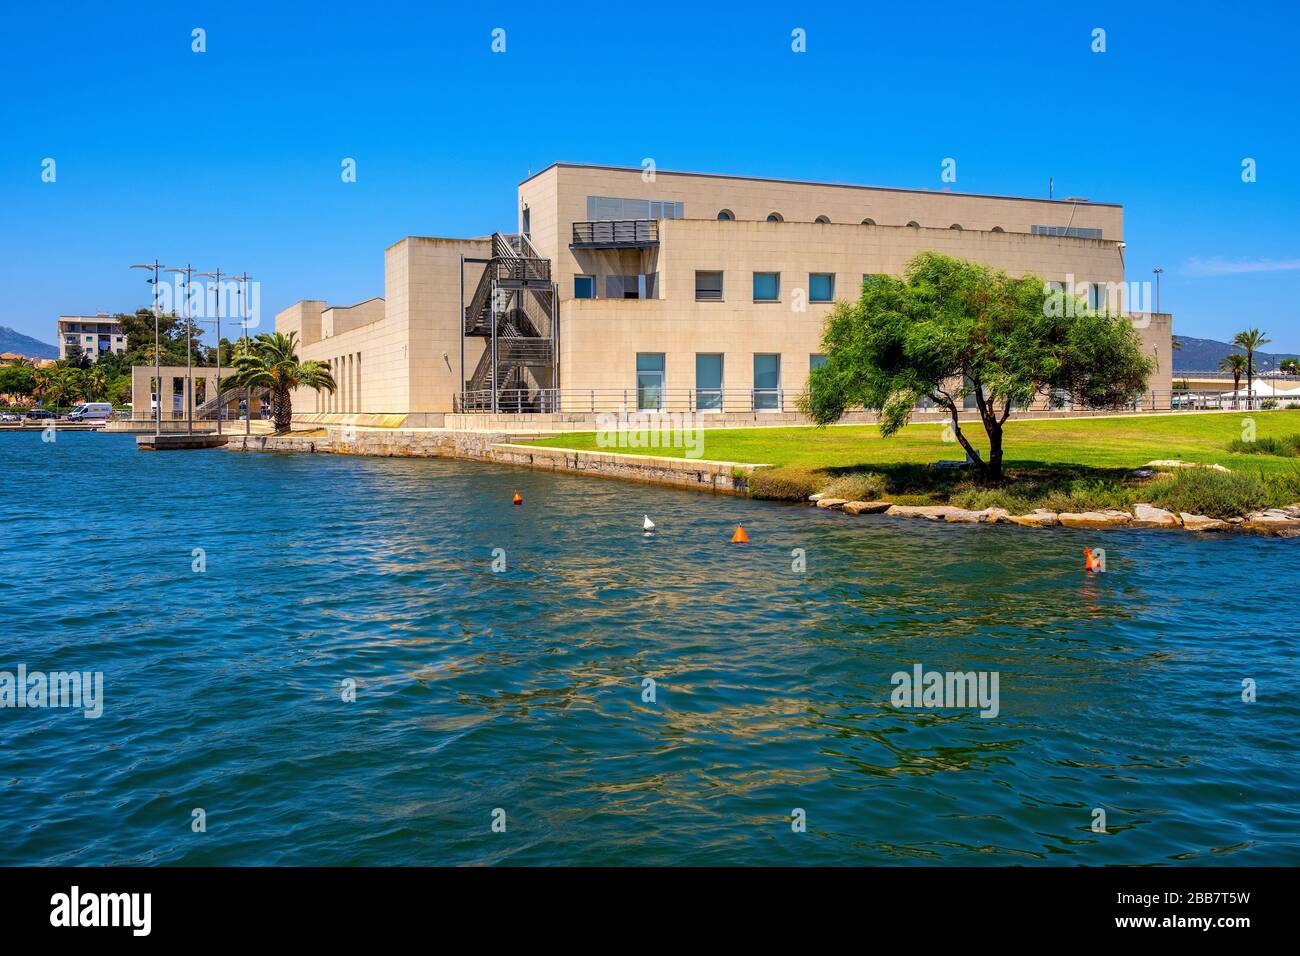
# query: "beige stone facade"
(675, 282)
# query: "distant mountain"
(14, 341)
(1204, 355)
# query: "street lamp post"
(215, 276)
(243, 321)
(187, 272)
(156, 266)
(1157, 275)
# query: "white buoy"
(649, 526)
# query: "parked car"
(37, 414)
(9, 417)
(91, 411)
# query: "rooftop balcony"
(615, 234)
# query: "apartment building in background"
(91, 335)
(675, 292)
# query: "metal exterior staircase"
(515, 309)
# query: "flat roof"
(809, 182)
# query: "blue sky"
(231, 157)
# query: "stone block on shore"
(929, 512)
(832, 502)
(1148, 516)
(1038, 518)
(1202, 523)
(866, 507)
(1095, 519)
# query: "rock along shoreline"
(1278, 522)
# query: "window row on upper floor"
(765, 287)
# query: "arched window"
(997, 229)
(956, 225)
(775, 217)
(823, 219)
(913, 225)
(726, 215)
(868, 222)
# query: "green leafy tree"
(1290, 366)
(1234, 363)
(950, 329)
(270, 363)
(17, 381)
(1250, 340)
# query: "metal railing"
(615, 232)
(743, 401)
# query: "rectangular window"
(584, 287)
(708, 286)
(708, 382)
(816, 361)
(821, 287)
(644, 286)
(649, 381)
(767, 383)
(767, 286)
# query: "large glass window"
(767, 286)
(584, 287)
(821, 287)
(650, 381)
(708, 382)
(767, 383)
(708, 287)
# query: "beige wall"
(204, 387)
(600, 338)
(397, 354)
(401, 353)
(561, 192)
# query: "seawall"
(500, 448)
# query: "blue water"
(523, 690)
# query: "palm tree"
(1235, 363)
(1250, 339)
(270, 362)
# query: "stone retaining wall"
(498, 448)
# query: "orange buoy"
(518, 499)
(1091, 562)
(740, 537)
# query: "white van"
(91, 411)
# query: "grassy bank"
(1060, 464)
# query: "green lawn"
(1100, 443)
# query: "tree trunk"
(994, 429)
(281, 410)
(971, 453)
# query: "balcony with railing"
(615, 234)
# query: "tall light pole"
(243, 321)
(156, 266)
(1157, 275)
(215, 276)
(189, 359)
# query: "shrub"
(855, 486)
(1089, 494)
(1268, 404)
(977, 499)
(1218, 494)
(784, 484)
(1287, 446)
